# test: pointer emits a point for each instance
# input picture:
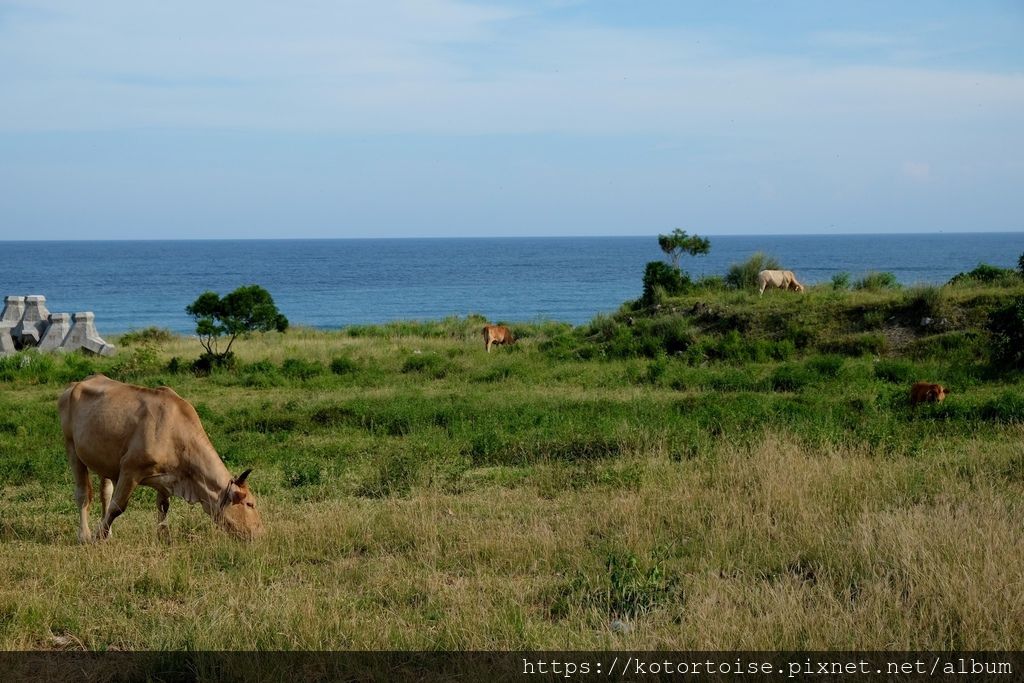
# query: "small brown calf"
(497, 334)
(925, 392)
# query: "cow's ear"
(240, 479)
(235, 495)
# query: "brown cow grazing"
(924, 392)
(497, 334)
(781, 279)
(131, 435)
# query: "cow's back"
(775, 278)
(499, 334)
(103, 419)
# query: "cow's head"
(796, 286)
(937, 393)
(236, 512)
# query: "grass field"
(719, 472)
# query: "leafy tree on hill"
(677, 242)
(662, 279)
(247, 309)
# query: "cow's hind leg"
(83, 491)
(126, 483)
(163, 505)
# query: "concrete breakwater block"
(56, 332)
(26, 323)
(83, 335)
(14, 309)
(33, 321)
(6, 340)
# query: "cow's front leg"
(163, 505)
(106, 491)
(118, 503)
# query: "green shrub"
(149, 335)
(208, 362)
(744, 275)
(431, 364)
(77, 366)
(343, 365)
(895, 371)
(1007, 408)
(801, 335)
(828, 365)
(791, 377)
(298, 368)
(137, 362)
(626, 589)
(986, 274)
(299, 472)
(926, 301)
(30, 366)
(877, 281)
(841, 281)
(662, 280)
(666, 334)
(1006, 334)
(947, 344)
(855, 344)
(711, 283)
(392, 476)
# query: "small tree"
(1020, 265)
(247, 309)
(676, 243)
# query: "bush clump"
(895, 371)
(927, 301)
(791, 377)
(208, 362)
(744, 275)
(430, 364)
(841, 281)
(875, 281)
(855, 344)
(662, 280)
(298, 368)
(343, 365)
(827, 365)
(987, 274)
(1006, 334)
(148, 335)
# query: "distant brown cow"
(781, 279)
(925, 392)
(497, 334)
(133, 435)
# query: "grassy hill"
(716, 470)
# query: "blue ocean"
(334, 283)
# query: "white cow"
(782, 279)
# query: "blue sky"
(140, 119)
